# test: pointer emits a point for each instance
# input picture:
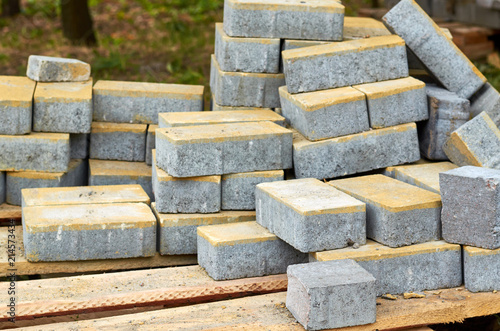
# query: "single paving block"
(347, 63)
(471, 199)
(17, 181)
(325, 114)
(63, 107)
(425, 175)
(140, 102)
(355, 153)
(216, 107)
(150, 143)
(397, 214)
(16, 104)
(246, 54)
(81, 195)
(395, 102)
(310, 215)
(447, 112)
(476, 143)
(79, 145)
(3, 188)
(118, 141)
(363, 27)
(481, 269)
(88, 232)
(431, 46)
(171, 120)
(220, 149)
(185, 195)
(427, 266)
(292, 19)
(177, 232)
(486, 99)
(243, 88)
(238, 190)
(47, 152)
(243, 249)
(331, 294)
(103, 172)
(56, 69)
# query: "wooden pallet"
(8, 212)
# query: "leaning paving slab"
(56, 69)
(150, 143)
(481, 269)
(16, 104)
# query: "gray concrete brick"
(331, 294)
(427, 266)
(121, 173)
(177, 232)
(214, 106)
(246, 54)
(325, 114)
(16, 104)
(139, 102)
(223, 149)
(63, 107)
(56, 69)
(238, 190)
(476, 143)
(481, 269)
(150, 143)
(17, 181)
(2, 187)
(79, 145)
(243, 88)
(470, 206)
(447, 112)
(88, 232)
(355, 153)
(171, 120)
(348, 63)
(310, 215)
(319, 20)
(397, 214)
(47, 152)
(486, 99)
(431, 46)
(395, 102)
(243, 249)
(118, 141)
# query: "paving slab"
(171, 120)
(363, 27)
(481, 269)
(57, 69)
(486, 99)
(150, 143)
(16, 106)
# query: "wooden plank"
(269, 312)
(9, 212)
(23, 267)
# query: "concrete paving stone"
(186, 195)
(292, 19)
(355, 153)
(397, 214)
(118, 141)
(486, 99)
(150, 143)
(476, 143)
(16, 104)
(238, 190)
(56, 69)
(243, 88)
(348, 63)
(63, 107)
(431, 46)
(395, 102)
(471, 199)
(81, 195)
(79, 145)
(223, 149)
(2, 187)
(140, 102)
(310, 215)
(427, 266)
(447, 112)
(177, 232)
(246, 54)
(17, 181)
(121, 173)
(88, 232)
(216, 107)
(171, 120)
(243, 249)
(481, 269)
(424, 175)
(363, 27)
(331, 294)
(325, 114)
(47, 152)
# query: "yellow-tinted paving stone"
(363, 27)
(481, 269)
(16, 104)
(118, 141)
(150, 142)
(57, 69)
(168, 120)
